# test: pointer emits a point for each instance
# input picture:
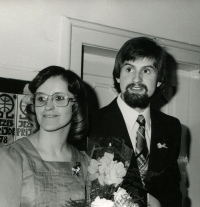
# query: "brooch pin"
(161, 145)
(76, 169)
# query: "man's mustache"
(131, 85)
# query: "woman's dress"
(26, 180)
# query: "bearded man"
(140, 69)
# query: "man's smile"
(136, 88)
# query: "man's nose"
(137, 77)
(49, 104)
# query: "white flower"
(106, 170)
(123, 199)
(107, 158)
(27, 99)
(93, 169)
(112, 173)
(98, 202)
(116, 174)
(94, 166)
(120, 193)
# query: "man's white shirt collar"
(130, 115)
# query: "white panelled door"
(97, 73)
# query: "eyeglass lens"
(59, 99)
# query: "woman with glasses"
(43, 169)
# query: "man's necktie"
(141, 150)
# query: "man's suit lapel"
(121, 127)
(119, 123)
(157, 136)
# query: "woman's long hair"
(79, 121)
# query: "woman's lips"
(50, 116)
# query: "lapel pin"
(161, 145)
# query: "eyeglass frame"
(52, 99)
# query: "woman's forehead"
(53, 85)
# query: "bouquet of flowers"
(107, 170)
(111, 183)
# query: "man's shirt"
(130, 116)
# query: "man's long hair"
(140, 48)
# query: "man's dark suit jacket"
(164, 130)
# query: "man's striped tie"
(141, 150)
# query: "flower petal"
(93, 166)
(27, 99)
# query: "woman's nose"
(49, 104)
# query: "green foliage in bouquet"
(80, 203)
(105, 191)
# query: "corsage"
(28, 98)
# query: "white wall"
(30, 35)
(33, 34)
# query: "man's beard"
(136, 100)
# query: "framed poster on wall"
(13, 122)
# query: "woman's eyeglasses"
(59, 99)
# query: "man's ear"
(118, 80)
(158, 84)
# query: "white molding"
(182, 52)
(65, 42)
(131, 34)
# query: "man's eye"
(146, 70)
